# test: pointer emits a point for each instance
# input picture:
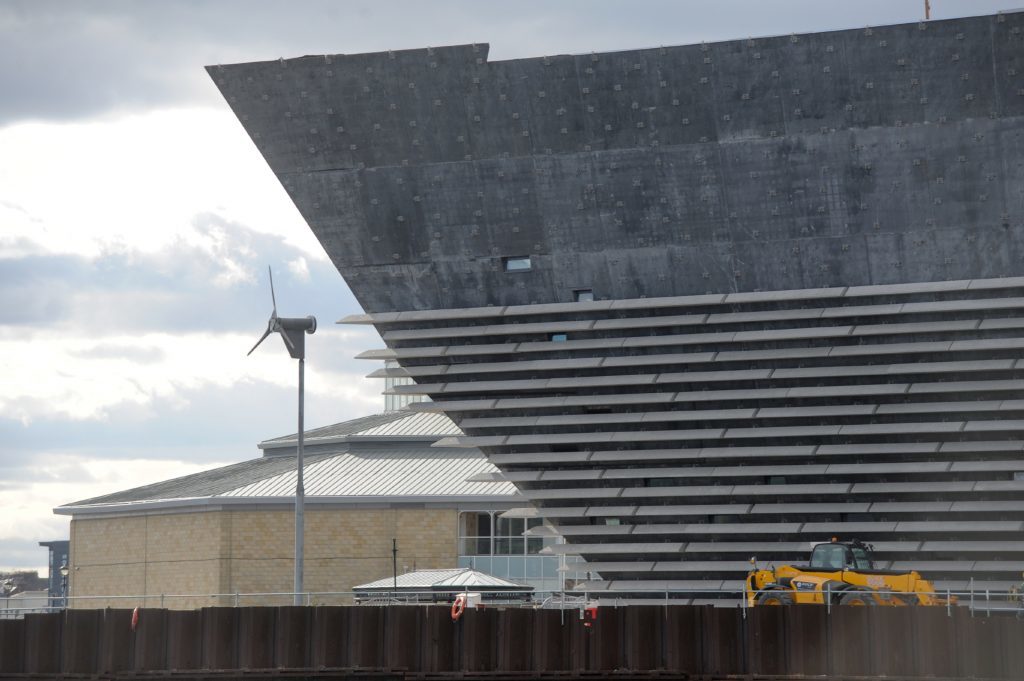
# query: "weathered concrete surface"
(880, 155)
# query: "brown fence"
(412, 641)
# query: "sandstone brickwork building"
(231, 530)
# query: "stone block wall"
(180, 559)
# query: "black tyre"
(778, 597)
(856, 598)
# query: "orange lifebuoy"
(458, 607)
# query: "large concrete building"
(697, 302)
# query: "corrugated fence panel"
(330, 636)
(80, 640)
(605, 640)
(293, 649)
(643, 636)
(891, 637)
(401, 637)
(12, 643)
(42, 642)
(806, 639)
(117, 641)
(700, 641)
(723, 645)
(219, 638)
(256, 638)
(551, 643)
(849, 643)
(151, 640)
(436, 640)
(766, 641)
(934, 640)
(515, 643)
(184, 639)
(683, 640)
(477, 631)
(1012, 647)
(366, 637)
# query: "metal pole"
(394, 564)
(300, 495)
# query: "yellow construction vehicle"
(839, 573)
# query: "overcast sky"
(137, 221)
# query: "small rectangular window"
(559, 337)
(518, 263)
(583, 295)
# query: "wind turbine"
(291, 330)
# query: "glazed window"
(583, 295)
(559, 337)
(517, 263)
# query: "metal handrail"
(987, 601)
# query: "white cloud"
(136, 183)
(48, 376)
(299, 268)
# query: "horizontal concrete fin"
(696, 509)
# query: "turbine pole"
(300, 494)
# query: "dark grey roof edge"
(215, 503)
(280, 443)
(482, 49)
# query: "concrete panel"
(911, 506)
(697, 509)
(966, 386)
(912, 487)
(781, 489)
(939, 407)
(808, 508)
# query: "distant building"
(367, 481)
(58, 555)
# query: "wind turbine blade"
(273, 298)
(262, 338)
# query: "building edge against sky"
(697, 302)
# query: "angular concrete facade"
(803, 254)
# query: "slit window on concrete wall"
(583, 295)
(559, 337)
(517, 263)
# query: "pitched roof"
(443, 579)
(399, 424)
(346, 473)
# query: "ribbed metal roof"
(403, 424)
(443, 578)
(411, 472)
(416, 472)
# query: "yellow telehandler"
(839, 573)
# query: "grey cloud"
(173, 290)
(217, 425)
(61, 59)
(26, 554)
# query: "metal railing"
(985, 601)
